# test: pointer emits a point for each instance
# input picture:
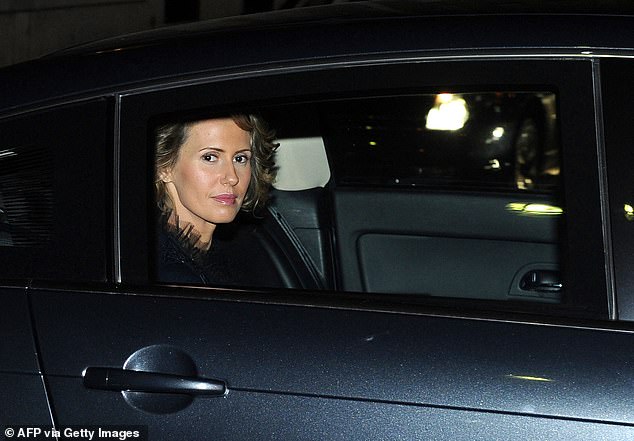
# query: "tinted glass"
(26, 196)
(53, 217)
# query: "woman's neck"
(202, 233)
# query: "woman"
(206, 172)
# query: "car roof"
(347, 31)
(355, 12)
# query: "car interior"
(450, 195)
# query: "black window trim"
(603, 190)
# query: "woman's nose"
(230, 177)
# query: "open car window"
(439, 195)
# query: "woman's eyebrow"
(221, 150)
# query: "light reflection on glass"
(494, 164)
(628, 210)
(533, 209)
(7, 153)
(498, 132)
(530, 378)
(449, 113)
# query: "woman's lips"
(226, 198)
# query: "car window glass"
(53, 164)
(26, 197)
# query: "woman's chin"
(223, 216)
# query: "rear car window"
(439, 194)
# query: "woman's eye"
(209, 157)
(241, 159)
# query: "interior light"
(372, 143)
(448, 113)
(628, 210)
(498, 132)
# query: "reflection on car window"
(26, 197)
(493, 140)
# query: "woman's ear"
(165, 175)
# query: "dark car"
(421, 272)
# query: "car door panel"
(23, 400)
(279, 360)
(264, 415)
(425, 265)
(22, 395)
(417, 242)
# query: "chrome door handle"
(138, 381)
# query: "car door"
(22, 391)
(46, 166)
(194, 362)
(20, 373)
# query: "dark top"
(179, 261)
(242, 254)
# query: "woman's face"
(211, 175)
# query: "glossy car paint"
(315, 365)
(302, 371)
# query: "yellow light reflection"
(530, 378)
(498, 132)
(494, 164)
(444, 98)
(533, 209)
(628, 210)
(448, 113)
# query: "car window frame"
(571, 79)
